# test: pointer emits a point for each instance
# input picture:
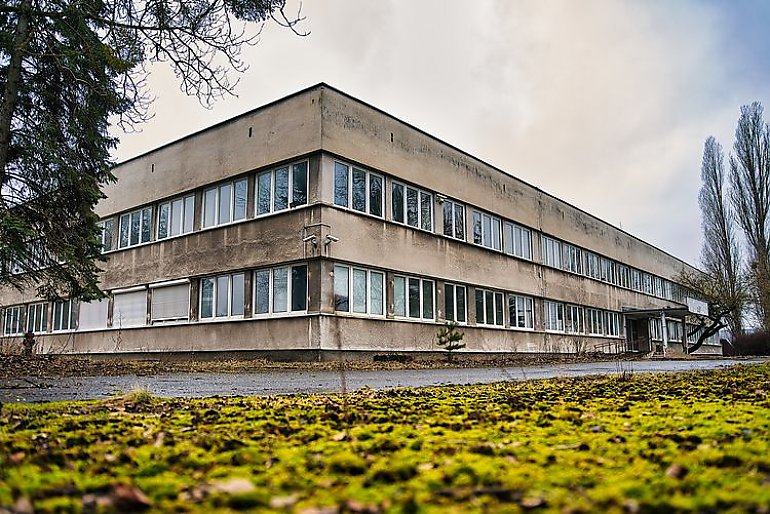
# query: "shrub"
(756, 343)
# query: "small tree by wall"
(450, 338)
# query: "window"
(489, 307)
(656, 332)
(454, 219)
(37, 318)
(454, 303)
(413, 298)
(574, 322)
(674, 329)
(595, 322)
(647, 283)
(64, 315)
(551, 252)
(105, 235)
(129, 308)
(281, 289)
(608, 270)
(135, 227)
(225, 203)
(358, 189)
(554, 316)
(222, 296)
(412, 206)
(486, 230)
(359, 290)
(12, 320)
(624, 276)
(613, 324)
(176, 217)
(573, 258)
(518, 241)
(593, 265)
(170, 302)
(93, 315)
(520, 312)
(657, 286)
(636, 280)
(282, 188)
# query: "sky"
(605, 104)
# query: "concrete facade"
(288, 257)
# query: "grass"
(694, 442)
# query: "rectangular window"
(105, 234)
(358, 189)
(93, 315)
(64, 315)
(520, 312)
(489, 307)
(608, 270)
(281, 289)
(413, 298)
(129, 309)
(593, 265)
(573, 319)
(412, 206)
(553, 316)
(613, 324)
(595, 322)
(454, 303)
(358, 290)
(170, 303)
(518, 241)
(222, 296)
(454, 219)
(225, 203)
(647, 283)
(551, 252)
(281, 188)
(656, 332)
(636, 280)
(12, 320)
(486, 230)
(135, 227)
(624, 276)
(176, 217)
(572, 260)
(37, 318)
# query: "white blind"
(129, 309)
(93, 315)
(171, 302)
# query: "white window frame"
(453, 313)
(490, 234)
(612, 324)
(145, 218)
(407, 299)
(421, 194)
(368, 188)
(498, 307)
(162, 285)
(68, 306)
(514, 238)
(572, 258)
(104, 240)
(218, 201)
(454, 207)
(593, 265)
(595, 322)
(553, 312)
(574, 319)
(13, 324)
(515, 309)
(291, 202)
(37, 316)
(608, 270)
(215, 297)
(551, 251)
(656, 329)
(271, 273)
(171, 211)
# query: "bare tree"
(750, 195)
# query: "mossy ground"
(693, 442)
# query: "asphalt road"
(276, 382)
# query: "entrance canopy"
(670, 312)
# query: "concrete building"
(318, 224)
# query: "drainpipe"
(664, 331)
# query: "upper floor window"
(455, 303)
(358, 290)
(413, 297)
(282, 188)
(281, 289)
(553, 316)
(593, 265)
(486, 230)
(37, 317)
(608, 270)
(624, 276)
(358, 189)
(647, 283)
(636, 280)
(412, 206)
(222, 296)
(520, 312)
(518, 241)
(135, 227)
(454, 219)
(551, 252)
(573, 322)
(64, 315)
(489, 307)
(573, 258)
(225, 203)
(176, 217)
(12, 318)
(105, 234)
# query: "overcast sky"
(605, 104)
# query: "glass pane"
(397, 200)
(487, 232)
(280, 289)
(449, 303)
(496, 234)
(125, 227)
(299, 185)
(189, 213)
(460, 299)
(489, 304)
(136, 225)
(375, 195)
(262, 292)
(359, 289)
(477, 228)
(340, 185)
(146, 224)
(163, 214)
(512, 310)
(412, 211)
(237, 296)
(427, 299)
(480, 313)
(241, 191)
(207, 298)
(107, 236)
(223, 295)
(281, 198)
(44, 320)
(508, 238)
(264, 185)
(414, 298)
(426, 211)
(359, 190)
(375, 293)
(448, 219)
(498, 308)
(210, 208)
(73, 314)
(177, 212)
(341, 289)
(460, 222)
(225, 203)
(299, 288)
(399, 296)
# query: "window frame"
(454, 304)
(595, 318)
(71, 318)
(569, 319)
(421, 300)
(612, 324)
(486, 231)
(421, 194)
(558, 308)
(551, 249)
(349, 170)
(291, 202)
(498, 307)
(106, 242)
(528, 310)
(215, 297)
(454, 207)
(18, 321)
(271, 291)
(217, 188)
(38, 319)
(145, 219)
(170, 221)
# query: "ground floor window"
(170, 303)
(64, 315)
(37, 318)
(129, 308)
(613, 324)
(489, 307)
(359, 290)
(553, 316)
(12, 320)
(281, 289)
(595, 322)
(454, 303)
(93, 315)
(520, 312)
(413, 297)
(222, 296)
(574, 323)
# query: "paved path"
(273, 382)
